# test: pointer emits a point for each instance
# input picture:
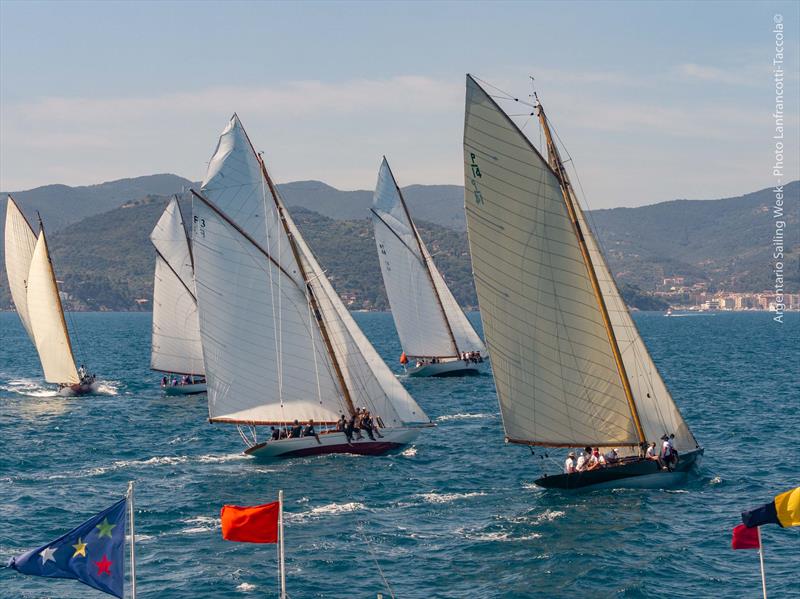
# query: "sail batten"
(429, 321)
(176, 345)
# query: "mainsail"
(429, 321)
(176, 328)
(278, 343)
(20, 240)
(570, 367)
(47, 318)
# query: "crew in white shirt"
(569, 464)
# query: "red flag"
(745, 538)
(403, 358)
(256, 524)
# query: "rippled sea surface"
(455, 515)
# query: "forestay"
(554, 369)
(176, 345)
(20, 240)
(429, 321)
(47, 318)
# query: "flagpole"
(133, 540)
(280, 544)
(761, 559)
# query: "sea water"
(454, 515)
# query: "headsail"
(555, 338)
(20, 240)
(429, 321)
(275, 346)
(47, 318)
(176, 328)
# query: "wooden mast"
(424, 259)
(312, 299)
(571, 203)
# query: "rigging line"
(375, 559)
(508, 95)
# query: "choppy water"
(456, 515)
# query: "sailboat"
(176, 347)
(279, 346)
(436, 337)
(35, 293)
(570, 367)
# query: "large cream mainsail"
(429, 321)
(176, 343)
(47, 318)
(554, 352)
(276, 344)
(20, 240)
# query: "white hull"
(335, 443)
(451, 368)
(190, 389)
(78, 389)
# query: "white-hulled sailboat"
(35, 293)
(570, 367)
(279, 346)
(176, 347)
(436, 337)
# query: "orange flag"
(403, 358)
(255, 524)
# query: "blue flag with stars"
(93, 553)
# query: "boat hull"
(393, 438)
(642, 474)
(79, 389)
(443, 369)
(189, 389)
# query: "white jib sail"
(264, 354)
(658, 413)
(20, 240)
(429, 321)
(176, 343)
(553, 365)
(47, 319)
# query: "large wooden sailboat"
(436, 337)
(35, 293)
(570, 367)
(279, 345)
(176, 348)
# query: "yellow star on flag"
(80, 548)
(105, 528)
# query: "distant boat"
(570, 367)
(668, 312)
(176, 348)
(434, 331)
(35, 294)
(279, 345)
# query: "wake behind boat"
(570, 367)
(279, 345)
(436, 337)
(34, 290)
(176, 346)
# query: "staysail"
(570, 368)
(277, 342)
(20, 240)
(429, 321)
(176, 343)
(47, 318)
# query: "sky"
(653, 101)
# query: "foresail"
(416, 309)
(372, 385)
(20, 240)
(554, 369)
(176, 345)
(264, 355)
(657, 411)
(47, 319)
